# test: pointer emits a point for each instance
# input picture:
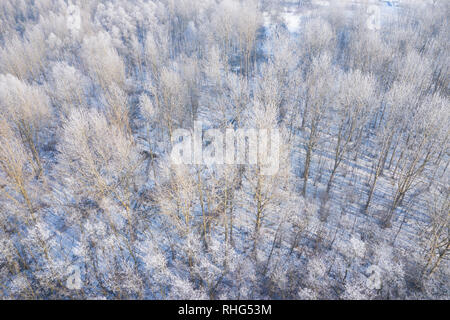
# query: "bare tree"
(318, 93)
(354, 99)
(436, 235)
(27, 108)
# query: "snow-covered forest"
(92, 93)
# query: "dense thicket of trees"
(92, 91)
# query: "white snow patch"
(292, 21)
